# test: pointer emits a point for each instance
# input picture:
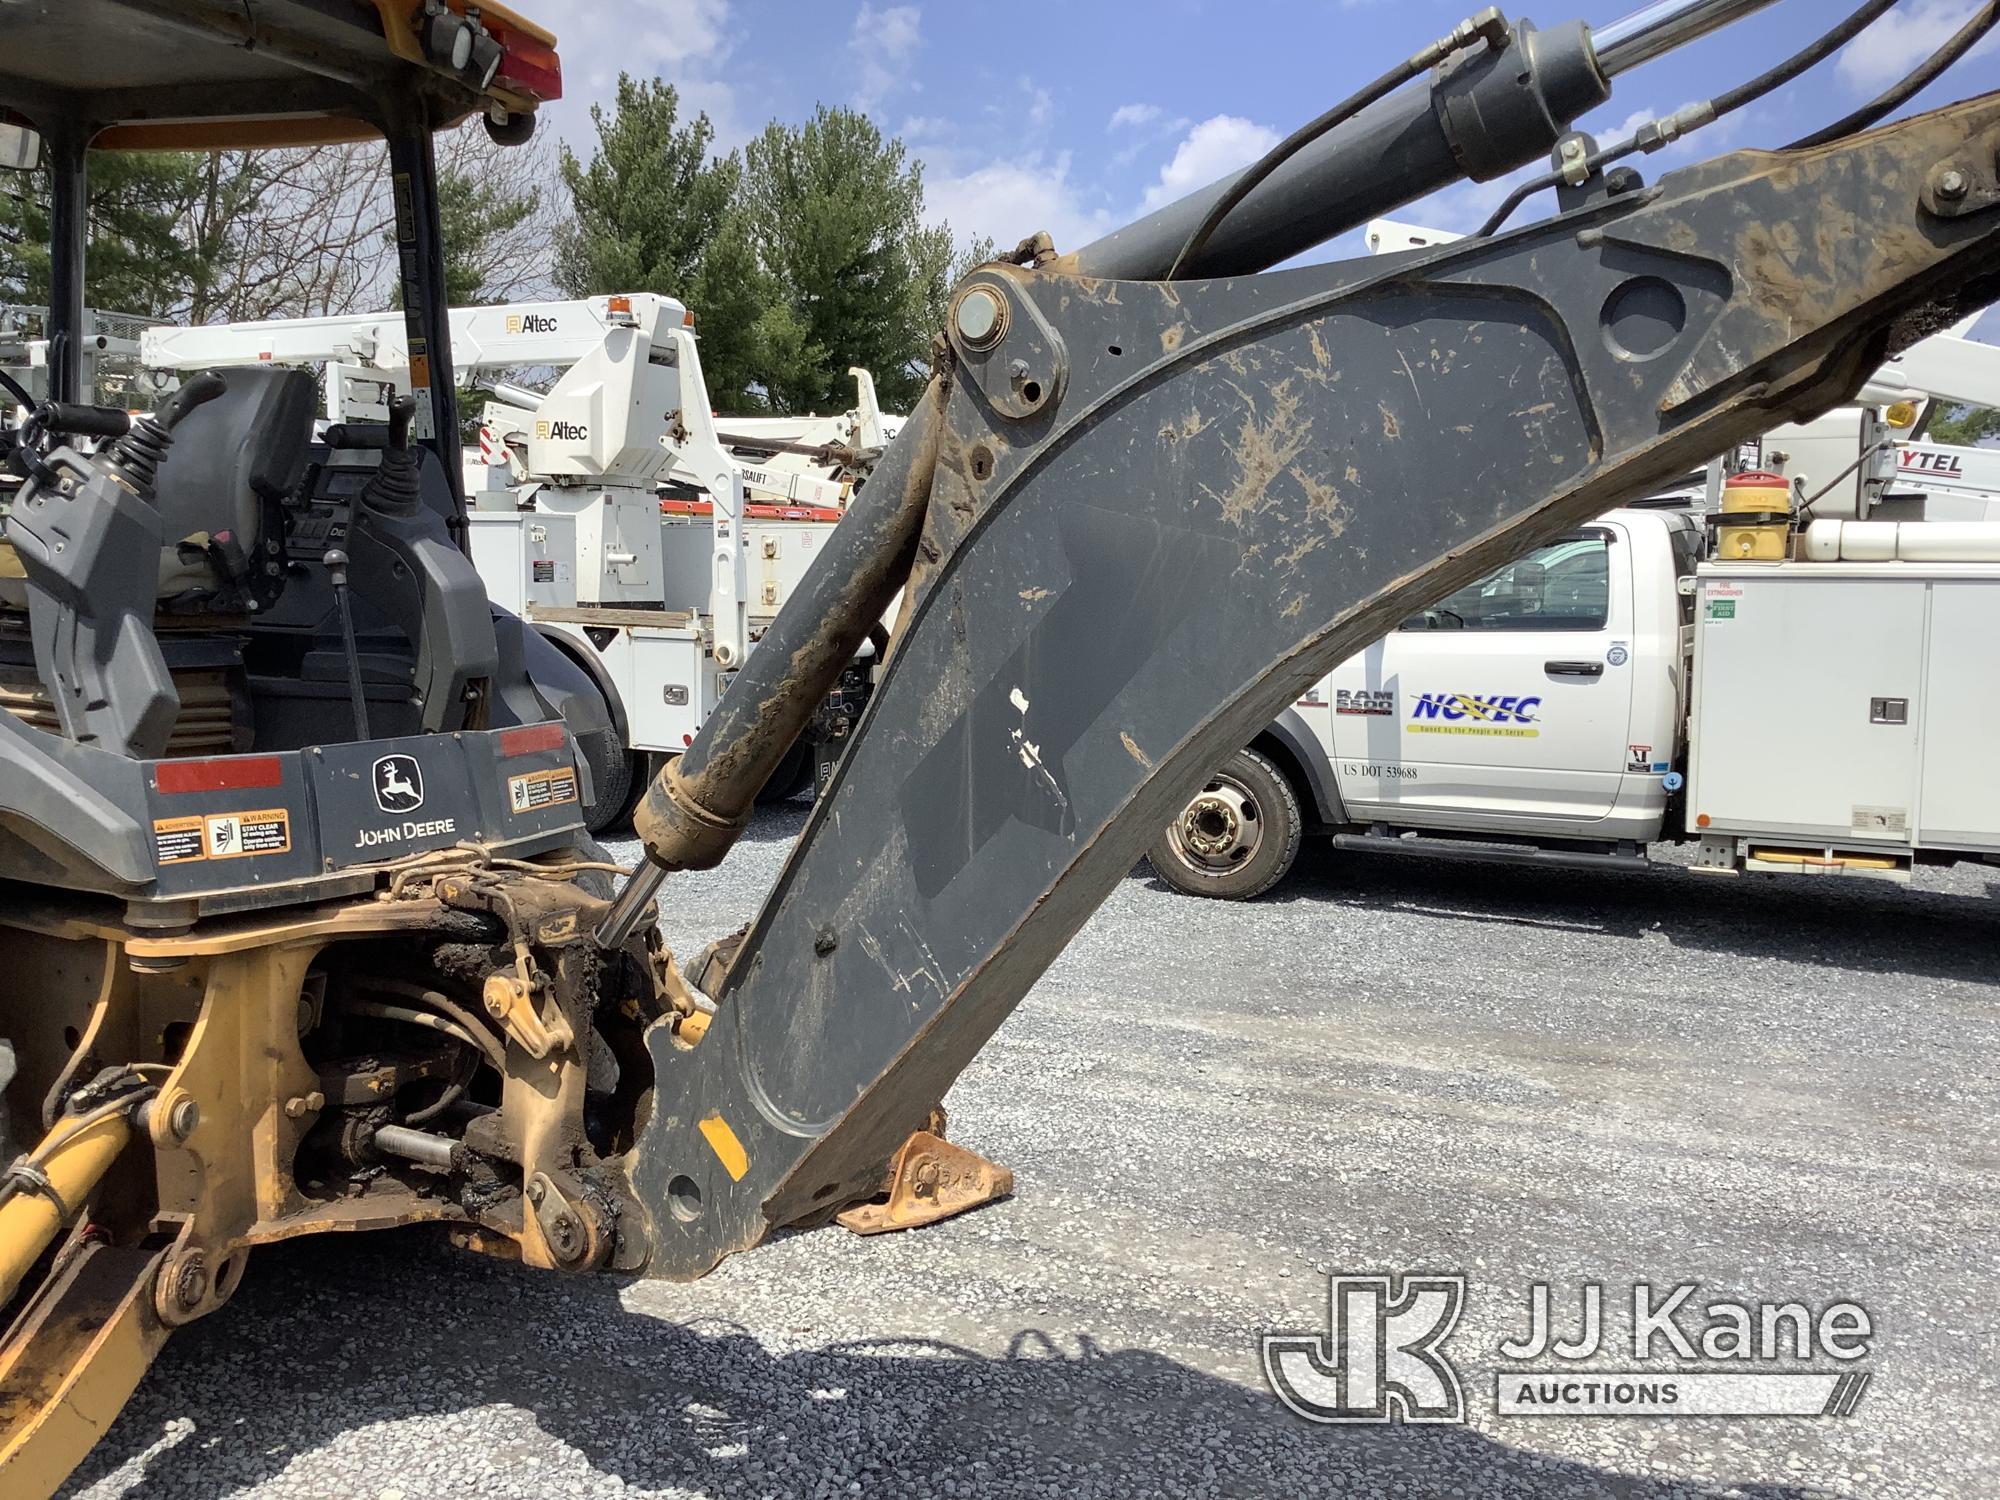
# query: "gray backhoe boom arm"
(1139, 518)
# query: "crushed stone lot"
(1779, 1089)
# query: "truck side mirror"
(20, 148)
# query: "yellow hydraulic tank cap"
(1764, 500)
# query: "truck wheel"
(611, 778)
(794, 775)
(1236, 837)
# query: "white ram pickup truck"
(1611, 690)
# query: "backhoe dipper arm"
(1155, 513)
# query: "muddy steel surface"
(1777, 1090)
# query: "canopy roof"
(212, 73)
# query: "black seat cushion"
(238, 455)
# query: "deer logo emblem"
(399, 784)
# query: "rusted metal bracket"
(571, 1227)
(929, 1179)
(511, 1002)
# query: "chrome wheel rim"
(1220, 829)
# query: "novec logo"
(1469, 713)
(1466, 706)
(530, 323)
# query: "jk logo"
(1378, 1360)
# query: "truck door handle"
(1574, 668)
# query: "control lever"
(393, 487)
(336, 567)
(84, 421)
(137, 455)
(199, 391)
(404, 561)
(87, 535)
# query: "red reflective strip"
(534, 739)
(233, 774)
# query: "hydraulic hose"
(1658, 133)
(1488, 26)
(1915, 81)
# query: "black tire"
(595, 882)
(612, 775)
(1237, 836)
(794, 775)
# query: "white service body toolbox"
(1849, 705)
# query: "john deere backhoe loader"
(298, 930)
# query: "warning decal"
(178, 840)
(540, 789)
(235, 835)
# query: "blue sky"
(1075, 118)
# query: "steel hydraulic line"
(1488, 26)
(1655, 134)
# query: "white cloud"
(1902, 39)
(1217, 146)
(686, 31)
(686, 42)
(1134, 115)
(1012, 198)
(1041, 106)
(882, 43)
(894, 30)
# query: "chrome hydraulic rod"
(1652, 31)
(622, 918)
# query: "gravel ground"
(1776, 1089)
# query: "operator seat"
(233, 463)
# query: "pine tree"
(654, 211)
(140, 260)
(1964, 425)
(837, 212)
